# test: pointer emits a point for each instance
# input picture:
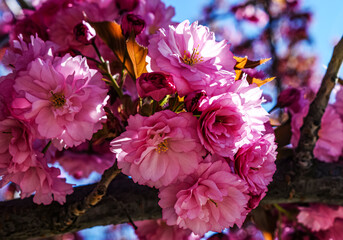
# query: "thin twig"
(311, 125)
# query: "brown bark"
(311, 125)
(22, 219)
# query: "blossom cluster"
(186, 125)
(205, 145)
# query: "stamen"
(193, 58)
(162, 146)
(58, 99)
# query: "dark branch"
(22, 219)
(311, 125)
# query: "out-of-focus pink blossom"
(132, 23)
(232, 118)
(42, 180)
(319, 216)
(190, 53)
(333, 233)
(21, 53)
(156, 15)
(160, 149)
(251, 13)
(328, 147)
(6, 91)
(292, 99)
(254, 163)
(158, 230)
(210, 199)
(79, 162)
(63, 99)
(16, 153)
(156, 85)
(20, 164)
(62, 29)
(127, 5)
(84, 33)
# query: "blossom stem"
(46, 147)
(282, 210)
(106, 69)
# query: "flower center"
(162, 146)
(58, 99)
(193, 58)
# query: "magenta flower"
(328, 147)
(22, 165)
(132, 23)
(155, 14)
(79, 162)
(319, 216)
(41, 180)
(160, 149)
(232, 118)
(16, 153)
(84, 33)
(158, 229)
(210, 199)
(254, 163)
(63, 99)
(22, 53)
(191, 54)
(127, 5)
(156, 85)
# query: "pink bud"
(84, 33)
(132, 23)
(156, 85)
(127, 5)
(194, 100)
(290, 98)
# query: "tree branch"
(311, 125)
(22, 219)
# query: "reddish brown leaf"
(243, 63)
(137, 54)
(259, 82)
(111, 34)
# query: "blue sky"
(326, 26)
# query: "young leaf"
(137, 54)
(243, 63)
(111, 34)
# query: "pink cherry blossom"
(232, 118)
(190, 54)
(319, 216)
(159, 149)
(328, 147)
(16, 153)
(21, 53)
(22, 165)
(155, 14)
(42, 180)
(210, 199)
(158, 229)
(80, 162)
(63, 99)
(254, 163)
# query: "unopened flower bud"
(132, 23)
(127, 5)
(194, 100)
(156, 85)
(290, 98)
(84, 33)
